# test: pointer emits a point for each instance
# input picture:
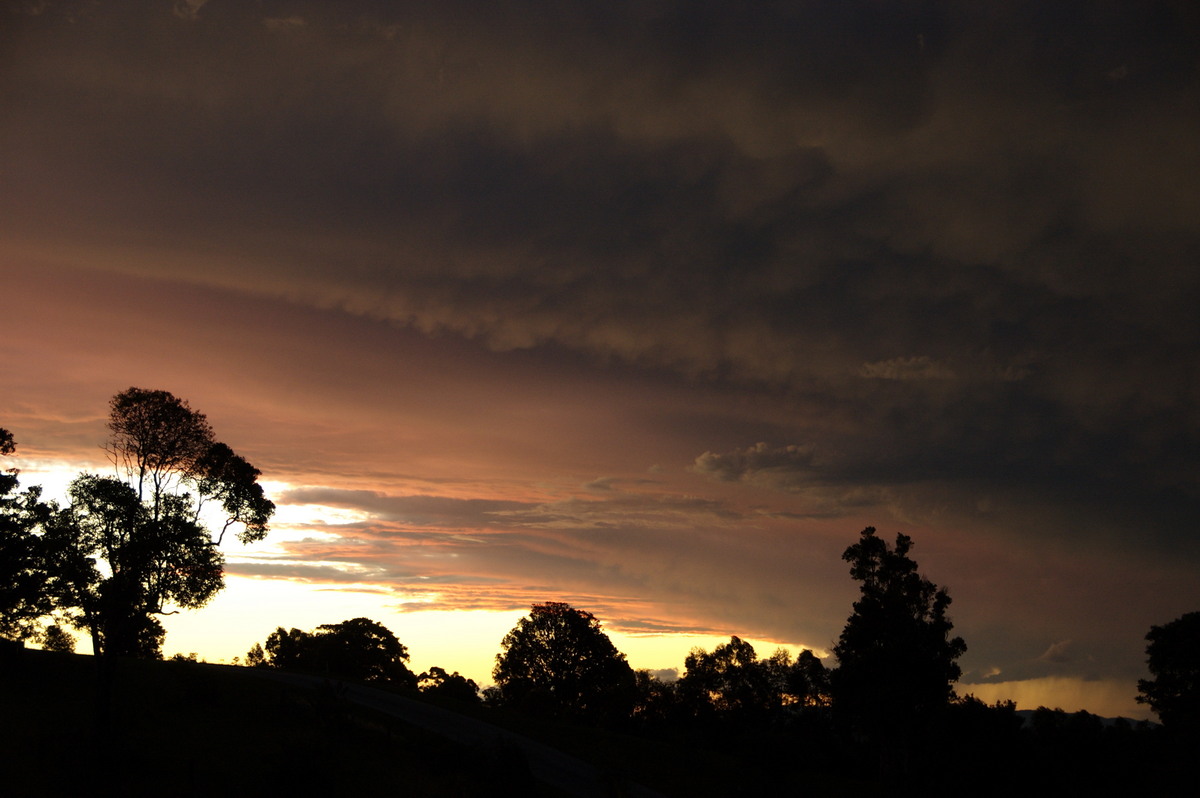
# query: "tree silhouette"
(24, 597)
(896, 658)
(436, 681)
(55, 638)
(806, 681)
(359, 649)
(285, 648)
(557, 661)
(362, 649)
(657, 700)
(1173, 653)
(731, 680)
(128, 549)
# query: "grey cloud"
(188, 9)
(783, 465)
(422, 510)
(609, 484)
(907, 368)
(1060, 653)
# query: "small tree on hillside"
(436, 681)
(362, 649)
(557, 661)
(359, 649)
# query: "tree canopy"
(557, 661)
(358, 649)
(896, 658)
(731, 680)
(24, 597)
(1173, 657)
(136, 545)
(436, 681)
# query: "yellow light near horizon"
(1108, 698)
(666, 651)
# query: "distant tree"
(55, 638)
(285, 648)
(358, 649)
(730, 680)
(362, 649)
(436, 681)
(805, 681)
(657, 700)
(24, 576)
(1173, 653)
(256, 657)
(130, 548)
(557, 661)
(896, 658)
(8, 479)
(733, 681)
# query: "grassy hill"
(188, 729)
(185, 729)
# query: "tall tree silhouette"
(132, 547)
(1173, 656)
(896, 658)
(24, 597)
(557, 661)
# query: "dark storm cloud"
(811, 194)
(970, 230)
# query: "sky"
(650, 307)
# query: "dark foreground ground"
(186, 729)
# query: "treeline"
(130, 547)
(884, 719)
(358, 649)
(768, 718)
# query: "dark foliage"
(732, 682)
(145, 529)
(55, 638)
(436, 681)
(24, 575)
(558, 662)
(1173, 657)
(189, 730)
(896, 658)
(358, 649)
